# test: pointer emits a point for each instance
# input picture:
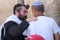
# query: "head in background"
(37, 8)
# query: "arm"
(55, 30)
(15, 30)
(56, 36)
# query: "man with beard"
(15, 25)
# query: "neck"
(39, 14)
(19, 17)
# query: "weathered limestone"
(6, 7)
(52, 10)
(20, 1)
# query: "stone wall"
(58, 16)
(20, 1)
(52, 8)
(6, 7)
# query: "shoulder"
(9, 23)
(45, 17)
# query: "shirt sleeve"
(55, 27)
(15, 30)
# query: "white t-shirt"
(44, 27)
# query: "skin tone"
(56, 36)
(23, 13)
(36, 13)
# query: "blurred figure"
(15, 25)
(44, 26)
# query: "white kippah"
(36, 3)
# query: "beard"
(22, 18)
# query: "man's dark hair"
(17, 7)
(39, 8)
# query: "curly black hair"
(18, 7)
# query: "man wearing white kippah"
(44, 26)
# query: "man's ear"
(17, 13)
(33, 9)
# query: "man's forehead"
(24, 8)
